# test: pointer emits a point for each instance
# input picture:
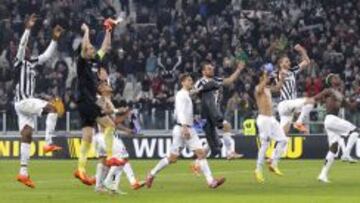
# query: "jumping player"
(184, 135)
(335, 126)
(89, 68)
(26, 105)
(269, 127)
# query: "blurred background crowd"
(162, 38)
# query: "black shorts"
(89, 112)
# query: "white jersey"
(25, 69)
(184, 108)
(289, 90)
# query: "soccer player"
(184, 135)
(89, 70)
(335, 126)
(211, 104)
(269, 127)
(26, 105)
(112, 179)
(289, 103)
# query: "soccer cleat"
(84, 178)
(275, 170)
(349, 159)
(100, 190)
(323, 179)
(217, 183)
(259, 176)
(115, 162)
(117, 192)
(149, 180)
(138, 184)
(51, 148)
(301, 127)
(25, 180)
(234, 155)
(195, 168)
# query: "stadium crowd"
(155, 45)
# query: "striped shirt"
(288, 90)
(25, 72)
(218, 93)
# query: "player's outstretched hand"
(84, 27)
(299, 48)
(30, 22)
(240, 65)
(57, 31)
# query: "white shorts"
(269, 128)
(287, 108)
(337, 127)
(119, 149)
(180, 142)
(27, 110)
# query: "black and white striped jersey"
(218, 93)
(24, 69)
(25, 75)
(289, 90)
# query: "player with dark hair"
(335, 126)
(184, 135)
(26, 105)
(211, 103)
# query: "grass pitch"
(55, 183)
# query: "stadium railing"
(157, 122)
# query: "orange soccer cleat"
(301, 127)
(25, 180)
(217, 183)
(84, 178)
(138, 185)
(51, 148)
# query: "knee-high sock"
(160, 165)
(111, 177)
(279, 150)
(101, 173)
(51, 120)
(353, 137)
(129, 173)
(228, 143)
(305, 113)
(108, 136)
(24, 158)
(117, 178)
(329, 160)
(84, 150)
(204, 166)
(261, 154)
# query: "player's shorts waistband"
(178, 124)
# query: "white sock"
(161, 164)
(353, 137)
(305, 113)
(24, 158)
(329, 160)
(206, 170)
(129, 173)
(111, 177)
(117, 177)
(261, 154)
(279, 150)
(229, 143)
(101, 173)
(51, 120)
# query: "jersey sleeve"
(296, 69)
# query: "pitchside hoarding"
(154, 147)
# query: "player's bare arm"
(305, 60)
(239, 67)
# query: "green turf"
(55, 183)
